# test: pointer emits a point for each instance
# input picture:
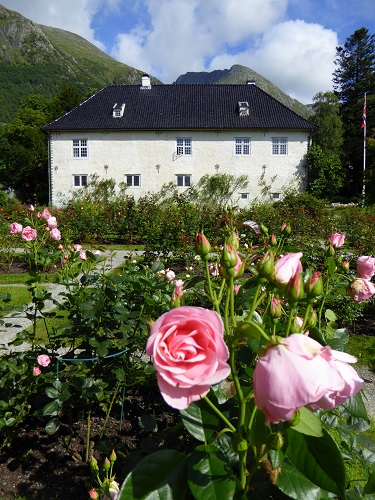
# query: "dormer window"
(118, 110)
(243, 108)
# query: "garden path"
(19, 322)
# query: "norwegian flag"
(364, 114)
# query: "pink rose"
(15, 228)
(114, 490)
(29, 234)
(77, 247)
(361, 289)
(169, 275)
(287, 266)
(55, 234)
(52, 222)
(31, 208)
(36, 371)
(337, 240)
(189, 354)
(43, 360)
(97, 252)
(46, 214)
(301, 372)
(82, 255)
(366, 267)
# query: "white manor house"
(149, 135)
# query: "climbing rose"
(46, 214)
(77, 247)
(366, 267)
(361, 289)
(15, 228)
(189, 354)
(36, 371)
(55, 234)
(169, 275)
(301, 372)
(43, 360)
(52, 222)
(287, 266)
(29, 234)
(337, 240)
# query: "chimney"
(146, 82)
(250, 82)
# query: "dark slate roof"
(180, 107)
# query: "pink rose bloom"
(82, 255)
(31, 208)
(15, 228)
(46, 214)
(77, 247)
(337, 240)
(97, 252)
(43, 360)
(60, 246)
(301, 372)
(189, 354)
(366, 267)
(55, 234)
(361, 289)
(114, 490)
(36, 371)
(287, 266)
(29, 234)
(169, 275)
(52, 222)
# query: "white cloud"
(185, 34)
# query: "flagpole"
(364, 120)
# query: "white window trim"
(80, 147)
(132, 184)
(279, 142)
(245, 196)
(184, 177)
(242, 145)
(80, 180)
(184, 149)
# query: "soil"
(44, 467)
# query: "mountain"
(37, 59)
(242, 74)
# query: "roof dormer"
(243, 108)
(118, 110)
(146, 82)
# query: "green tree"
(325, 172)
(354, 76)
(326, 109)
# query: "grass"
(19, 295)
(363, 348)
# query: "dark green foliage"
(326, 176)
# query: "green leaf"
(199, 420)
(319, 459)
(356, 407)
(52, 426)
(308, 423)
(370, 485)
(159, 476)
(51, 408)
(52, 392)
(294, 484)
(249, 330)
(209, 474)
(317, 335)
(329, 314)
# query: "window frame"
(80, 177)
(184, 177)
(185, 146)
(80, 148)
(133, 176)
(239, 143)
(279, 146)
(244, 196)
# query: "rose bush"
(189, 354)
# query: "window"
(133, 180)
(279, 146)
(242, 146)
(244, 196)
(183, 180)
(80, 180)
(276, 196)
(80, 148)
(243, 108)
(183, 146)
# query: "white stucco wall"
(116, 154)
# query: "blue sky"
(290, 42)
